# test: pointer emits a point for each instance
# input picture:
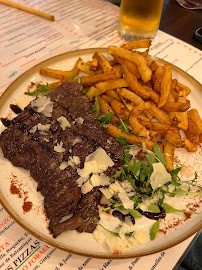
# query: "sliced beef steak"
(31, 141)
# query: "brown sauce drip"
(15, 108)
(6, 122)
(151, 215)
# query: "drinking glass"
(139, 19)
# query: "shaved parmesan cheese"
(63, 165)
(76, 140)
(99, 180)
(160, 176)
(33, 130)
(40, 127)
(43, 127)
(43, 105)
(63, 122)
(102, 159)
(106, 192)
(94, 166)
(75, 159)
(58, 148)
(86, 188)
(89, 167)
(79, 120)
(127, 203)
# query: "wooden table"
(180, 22)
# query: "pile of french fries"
(138, 89)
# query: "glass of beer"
(139, 19)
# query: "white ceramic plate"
(35, 221)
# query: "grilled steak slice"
(85, 217)
(28, 146)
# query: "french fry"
(127, 103)
(179, 87)
(54, 85)
(148, 114)
(182, 116)
(165, 85)
(144, 43)
(173, 84)
(195, 117)
(107, 98)
(103, 62)
(94, 64)
(91, 93)
(117, 106)
(115, 132)
(133, 83)
(110, 84)
(176, 106)
(190, 146)
(138, 129)
(106, 108)
(153, 95)
(159, 114)
(132, 67)
(125, 93)
(60, 74)
(157, 137)
(86, 68)
(156, 126)
(112, 93)
(94, 79)
(144, 71)
(153, 66)
(169, 150)
(192, 132)
(173, 136)
(157, 78)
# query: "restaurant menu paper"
(26, 40)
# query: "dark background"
(180, 22)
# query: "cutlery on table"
(189, 4)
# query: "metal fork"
(187, 4)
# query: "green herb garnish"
(154, 229)
(124, 126)
(169, 209)
(107, 118)
(44, 89)
(115, 233)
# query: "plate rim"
(15, 216)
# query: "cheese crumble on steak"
(51, 131)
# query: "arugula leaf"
(115, 233)
(154, 229)
(174, 180)
(85, 91)
(176, 171)
(70, 77)
(181, 191)
(121, 140)
(107, 118)
(134, 213)
(124, 126)
(159, 154)
(116, 175)
(136, 166)
(154, 208)
(151, 159)
(42, 90)
(96, 107)
(169, 209)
